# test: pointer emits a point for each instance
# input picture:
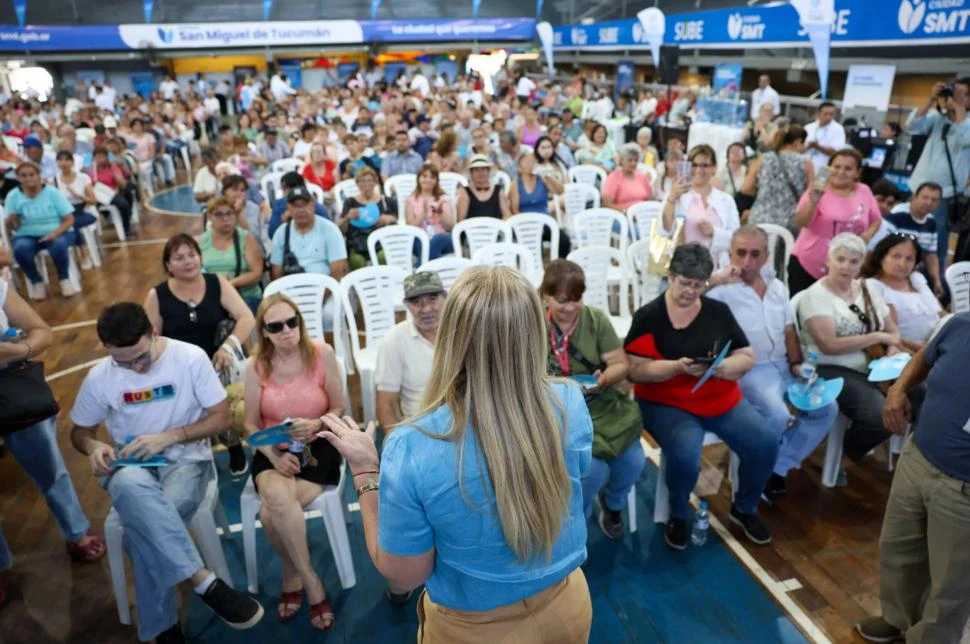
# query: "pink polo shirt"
(833, 215)
(625, 191)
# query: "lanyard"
(561, 353)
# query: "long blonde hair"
(490, 370)
(265, 349)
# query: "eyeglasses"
(863, 317)
(193, 315)
(275, 327)
(701, 166)
(143, 360)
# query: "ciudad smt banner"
(258, 34)
(858, 23)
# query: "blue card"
(586, 380)
(129, 461)
(710, 370)
(270, 436)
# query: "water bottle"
(807, 371)
(13, 335)
(297, 449)
(702, 521)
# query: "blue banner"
(267, 9)
(624, 77)
(475, 5)
(258, 34)
(858, 23)
(20, 8)
(143, 83)
(727, 79)
(294, 73)
(149, 5)
(374, 6)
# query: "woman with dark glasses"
(891, 272)
(194, 307)
(840, 318)
(291, 377)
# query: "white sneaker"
(66, 289)
(36, 291)
(86, 264)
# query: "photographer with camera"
(943, 161)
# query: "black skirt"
(325, 472)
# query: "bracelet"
(367, 472)
(370, 486)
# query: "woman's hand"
(601, 381)
(355, 446)
(892, 340)
(285, 463)
(688, 367)
(221, 360)
(706, 228)
(305, 429)
(815, 192)
(353, 213)
(386, 220)
(678, 188)
(729, 370)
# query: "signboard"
(727, 79)
(857, 23)
(624, 77)
(869, 86)
(258, 34)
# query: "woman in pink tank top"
(530, 130)
(291, 377)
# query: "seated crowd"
(299, 181)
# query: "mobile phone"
(683, 170)
(705, 359)
(822, 177)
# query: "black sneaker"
(610, 520)
(876, 629)
(754, 529)
(239, 610)
(676, 533)
(171, 636)
(398, 599)
(238, 463)
(773, 488)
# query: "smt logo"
(168, 35)
(911, 14)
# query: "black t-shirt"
(177, 318)
(357, 237)
(653, 336)
(354, 165)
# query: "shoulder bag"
(291, 265)
(660, 249)
(25, 397)
(872, 323)
(959, 215)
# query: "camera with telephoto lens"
(946, 91)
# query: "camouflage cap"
(422, 283)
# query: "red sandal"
(322, 611)
(93, 550)
(289, 600)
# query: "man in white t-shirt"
(168, 87)
(206, 184)
(824, 136)
(524, 86)
(420, 84)
(160, 399)
(764, 94)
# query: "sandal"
(289, 600)
(90, 552)
(322, 611)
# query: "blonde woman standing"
(479, 495)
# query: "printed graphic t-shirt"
(175, 392)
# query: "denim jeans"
(441, 244)
(619, 474)
(82, 218)
(942, 217)
(681, 436)
(25, 250)
(35, 449)
(165, 167)
(153, 505)
(764, 387)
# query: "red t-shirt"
(653, 336)
(326, 181)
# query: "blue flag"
(475, 5)
(538, 9)
(374, 6)
(149, 5)
(20, 7)
(267, 8)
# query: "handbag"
(291, 265)
(959, 215)
(237, 365)
(25, 397)
(875, 351)
(103, 193)
(660, 249)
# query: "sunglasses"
(860, 313)
(193, 315)
(276, 327)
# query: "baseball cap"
(479, 161)
(110, 122)
(299, 192)
(422, 283)
(424, 118)
(32, 142)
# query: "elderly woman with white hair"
(648, 153)
(626, 185)
(840, 319)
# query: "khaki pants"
(924, 584)
(561, 614)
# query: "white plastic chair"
(958, 279)
(343, 191)
(597, 263)
(575, 198)
(203, 526)
(596, 226)
(378, 289)
(640, 215)
(776, 232)
(447, 268)
(287, 165)
(92, 240)
(73, 272)
(269, 185)
(650, 171)
(592, 175)
(479, 231)
(527, 230)
(116, 222)
(308, 291)
(516, 256)
(400, 186)
(661, 500)
(316, 192)
(397, 242)
(449, 182)
(646, 287)
(500, 177)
